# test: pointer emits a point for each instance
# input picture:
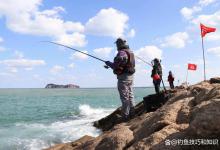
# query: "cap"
(120, 40)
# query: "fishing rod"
(76, 50)
(143, 61)
(164, 85)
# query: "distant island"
(68, 86)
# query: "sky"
(168, 30)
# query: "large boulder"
(117, 138)
(150, 103)
(215, 80)
(205, 119)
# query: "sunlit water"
(32, 119)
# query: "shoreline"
(189, 112)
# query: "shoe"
(125, 118)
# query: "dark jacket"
(157, 69)
(170, 78)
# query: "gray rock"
(215, 80)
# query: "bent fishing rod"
(143, 61)
(75, 50)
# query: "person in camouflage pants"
(124, 67)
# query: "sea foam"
(36, 136)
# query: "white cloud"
(131, 33)
(79, 56)
(206, 2)
(108, 22)
(176, 40)
(210, 20)
(19, 62)
(22, 63)
(103, 52)
(214, 37)
(25, 17)
(72, 65)
(188, 12)
(53, 12)
(75, 39)
(56, 69)
(148, 53)
(215, 51)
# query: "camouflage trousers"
(125, 89)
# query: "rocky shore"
(181, 119)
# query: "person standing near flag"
(156, 74)
(171, 79)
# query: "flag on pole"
(192, 66)
(205, 29)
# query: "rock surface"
(188, 119)
(69, 86)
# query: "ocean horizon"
(75, 88)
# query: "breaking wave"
(37, 136)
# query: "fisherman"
(124, 67)
(171, 79)
(156, 74)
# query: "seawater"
(33, 119)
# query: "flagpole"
(187, 77)
(203, 59)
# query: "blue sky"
(165, 29)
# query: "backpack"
(129, 67)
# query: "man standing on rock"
(124, 67)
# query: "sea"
(34, 119)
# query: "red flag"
(205, 30)
(192, 66)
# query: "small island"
(68, 86)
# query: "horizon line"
(70, 88)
